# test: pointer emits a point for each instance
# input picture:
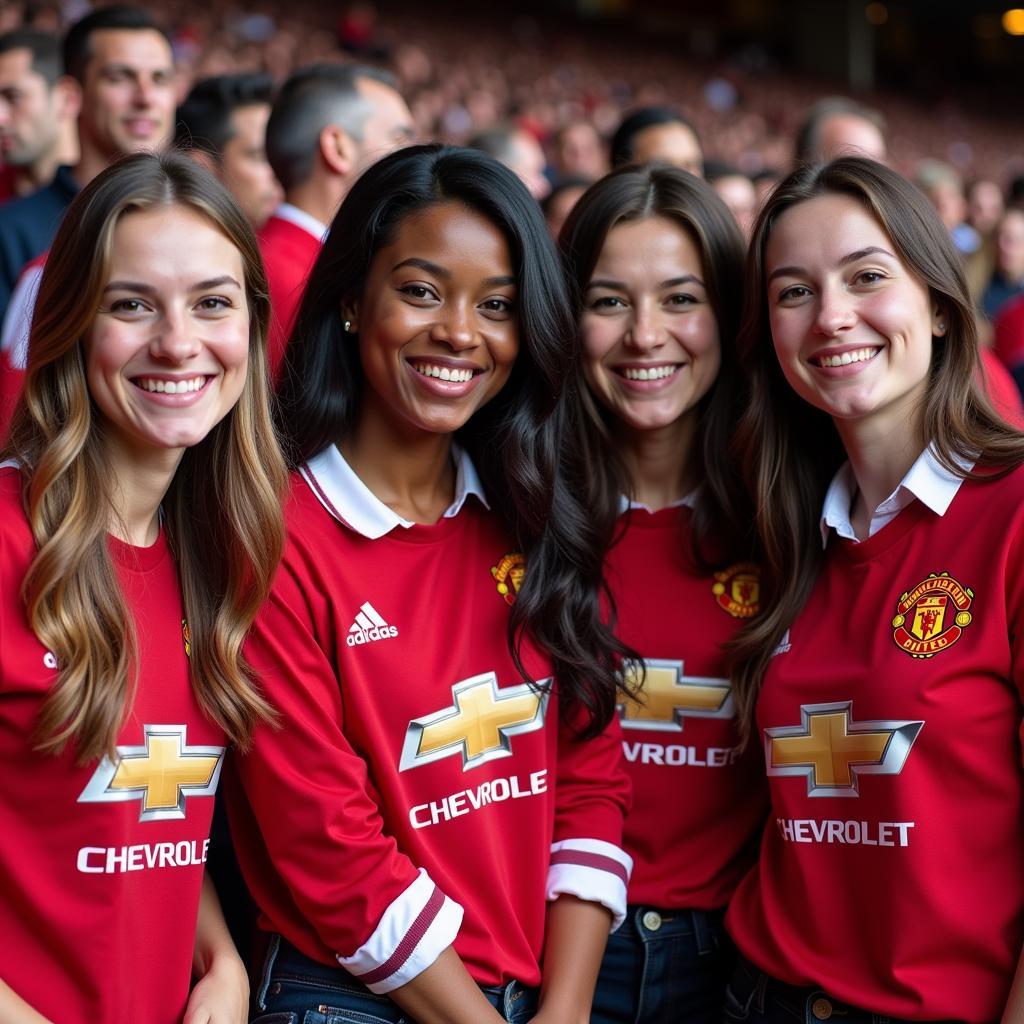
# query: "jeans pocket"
(276, 1018)
(736, 1008)
(337, 1015)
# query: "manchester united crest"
(737, 590)
(932, 616)
(508, 575)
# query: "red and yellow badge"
(187, 637)
(737, 590)
(932, 616)
(508, 575)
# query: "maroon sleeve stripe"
(583, 858)
(410, 941)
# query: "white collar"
(351, 502)
(927, 480)
(625, 504)
(301, 219)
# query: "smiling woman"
(442, 803)
(884, 676)
(140, 522)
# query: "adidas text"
(365, 636)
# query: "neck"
(318, 197)
(90, 163)
(658, 461)
(880, 455)
(36, 175)
(411, 471)
(139, 487)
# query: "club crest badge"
(508, 575)
(186, 636)
(932, 616)
(737, 590)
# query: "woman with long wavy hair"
(654, 264)
(883, 678)
(434, 831)
(141, 525)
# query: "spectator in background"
(944, 187)
(558, 203)
(837, 126)
(985, 205)
(736, 190)
(764, 183)
(327, 125)
(223, 121)
(520, 152)
(123, 63)
(658, 135)
(579, 152)
(1007, 278)
(38, 107)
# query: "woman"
(654, 262)
(886, 665)
(430, 785)
(141, 515)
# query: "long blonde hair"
(222, 513)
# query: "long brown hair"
(633, 193)
(222, 513)
(789, 450)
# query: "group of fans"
(597, 600)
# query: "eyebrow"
(672, 282)
(148, 289)
(439, 271)
(871, 250)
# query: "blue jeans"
(296, 990)
(664, 967)
(757, 998)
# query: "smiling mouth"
(648, 373)
(859, 355)
(170, 387)
(454, 374)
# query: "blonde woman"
(139, 529)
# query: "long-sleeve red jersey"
(418, 793)
(890, 717)
(698, 801)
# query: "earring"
(347, 326)
(940, 326)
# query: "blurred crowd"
(560, 102)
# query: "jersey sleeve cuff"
(413, 932)
(593, 870)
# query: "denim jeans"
(664, 966)
(296, 990)
(757, 998)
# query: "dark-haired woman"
(654, 261)
(884, 676)
(139, 513)
(432, 796)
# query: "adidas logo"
(369, 626)
(783, 645)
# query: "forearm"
(445, 994)
(14, 1009)
(1014, 1012)
(213, 940)
(576, 935)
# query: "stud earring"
(347, 326)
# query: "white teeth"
(170, 387)
(859, 355)
(651, 373)
(443, 373)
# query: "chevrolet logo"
(161, 774)
(667, 697)
(832, 751)
(479, 725)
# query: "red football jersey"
(698, 802)
(418, 793)
(890, 870)
(101, 865)
(289, 252)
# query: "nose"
(644, 332)
(454, 326)
(174, 339)
(145, 88)
(835, 312)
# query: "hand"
(221, 996)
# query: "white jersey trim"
(592, 870)
(18, 319)
(412, 933)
